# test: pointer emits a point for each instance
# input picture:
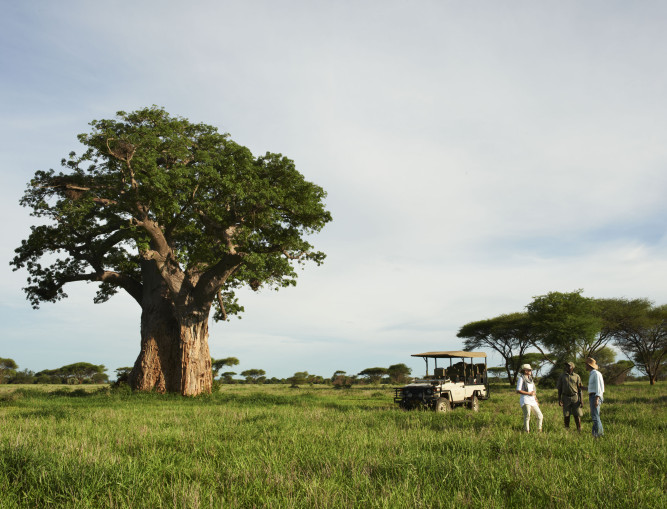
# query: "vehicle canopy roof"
(449, 355)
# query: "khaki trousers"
(526, 417)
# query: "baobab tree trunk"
(174, 353)
(194, 374)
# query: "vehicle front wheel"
(442, 405)
(473, 404)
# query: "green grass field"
(272, 446)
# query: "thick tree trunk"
(174, 356)
(174, 353)
(195, 375)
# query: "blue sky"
(476, 154)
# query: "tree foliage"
(78, 373)
(218, 364)
(639, 329)
(8, 369)
(567, 324)
(373, 375)
(398, 373)
(510, 335)
(123, 374)
(154, 187)
(227, 377)
(254, 376)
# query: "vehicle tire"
(473, 404)
(442, 405)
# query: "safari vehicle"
(462, 383)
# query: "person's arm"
(596, 386)
(526, 393)
(521, 391)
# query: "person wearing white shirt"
(595, 395)
(528, 400)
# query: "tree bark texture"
(174, 353)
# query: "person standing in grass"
(528, 400)
(569, 395)
(595, 392)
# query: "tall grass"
(271, 446)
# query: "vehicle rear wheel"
(473, 404)
(442, 405)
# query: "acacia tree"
(373, 375)
(79, 372)
(509, 335)
(568, 325)
(218, 364)
(398, 373)
(227, 377)
(254, 376)
(178, 216)
(8, 369)
(640, 331)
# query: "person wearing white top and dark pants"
(528, 400)
(595, 392)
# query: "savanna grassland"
(272, 446)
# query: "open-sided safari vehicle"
(462, 383)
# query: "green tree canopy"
(218, 364)
(373, 375)
(79, 372)
(639, 329)
(8, 369)
(254, 376)
(399, 373)
(227, 377)
(123, 374)
(567, 324)
(510, 335)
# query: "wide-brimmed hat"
(591, 362)
(526, 367)
(570, 364)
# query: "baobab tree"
(177, 215)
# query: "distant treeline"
(394, 374)
(87, 373)
(77, 373)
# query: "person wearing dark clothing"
(569, 395)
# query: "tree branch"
(222, 306)
(76, 192)
(131, 286)
(211, 281)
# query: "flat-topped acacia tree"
(178, 216)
